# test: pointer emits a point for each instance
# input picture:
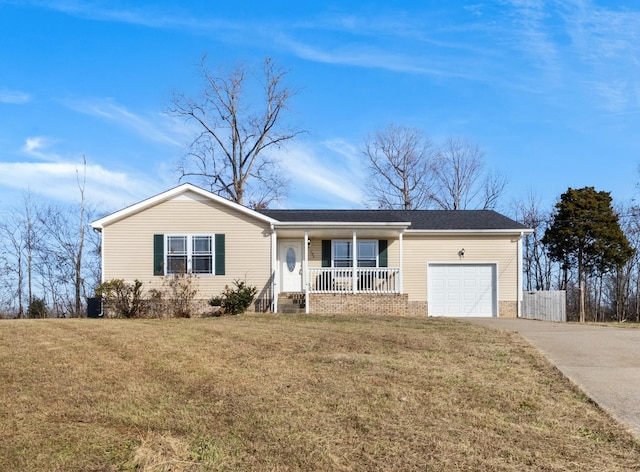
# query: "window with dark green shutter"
(219, 258)
(383, 258)
(200, 254)
(158, 254)
(326, 253)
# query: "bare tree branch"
(461, 181)
(400, 164)
(235, 128)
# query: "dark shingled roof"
(419, 219)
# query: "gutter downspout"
(520, 265)
(400, 238)
(305, 272)
(274, 285)
(99, 230)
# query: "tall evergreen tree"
(585, 233)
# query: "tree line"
(49, 257)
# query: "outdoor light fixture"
(461, 252)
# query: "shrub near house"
(176, 299)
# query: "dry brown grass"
(291, 393)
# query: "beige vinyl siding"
(421, 249)
(393, 253)
(315, 253)
(128, 243)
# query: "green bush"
(126, 299)
(235, 301)
(216, 301)
(37, 308)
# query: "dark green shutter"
(326, 253)
(158, 254)
(219, 256)
(383, 258)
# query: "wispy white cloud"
(370, 57)
(57, 177)
(606, 43)
(156, 128)
(14, 97)
(579, 50)
(427, 43)
(163, 17)
(531, 26)
(475, 9)
(38, 147)
(59, 181)
(334, 185)
(533, 46)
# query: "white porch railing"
(341, 280)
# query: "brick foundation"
(382, 304)
(508, 308)
(324, 304)
(364, 304)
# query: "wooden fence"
(545, 305)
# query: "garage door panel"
(462, 289)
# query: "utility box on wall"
(94, 307)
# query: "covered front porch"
(345, 261)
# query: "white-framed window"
(367, 253)
(190, 254)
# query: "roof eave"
(400, 226)
(474, 231)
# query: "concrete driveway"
(604, 362)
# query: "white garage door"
(462, 290)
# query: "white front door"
(290, 266)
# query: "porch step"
(291, 303)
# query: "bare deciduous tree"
(227, 153)
(12, 247)
(400, 164)
(67, 240)
(461, 181)
(20, 241)
(537, 266)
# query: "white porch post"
(354, 263)
(274, 270)
(401, 275)
(305, 272)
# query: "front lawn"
(291, 393)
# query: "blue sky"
(550, 90)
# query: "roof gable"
(182, 192)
